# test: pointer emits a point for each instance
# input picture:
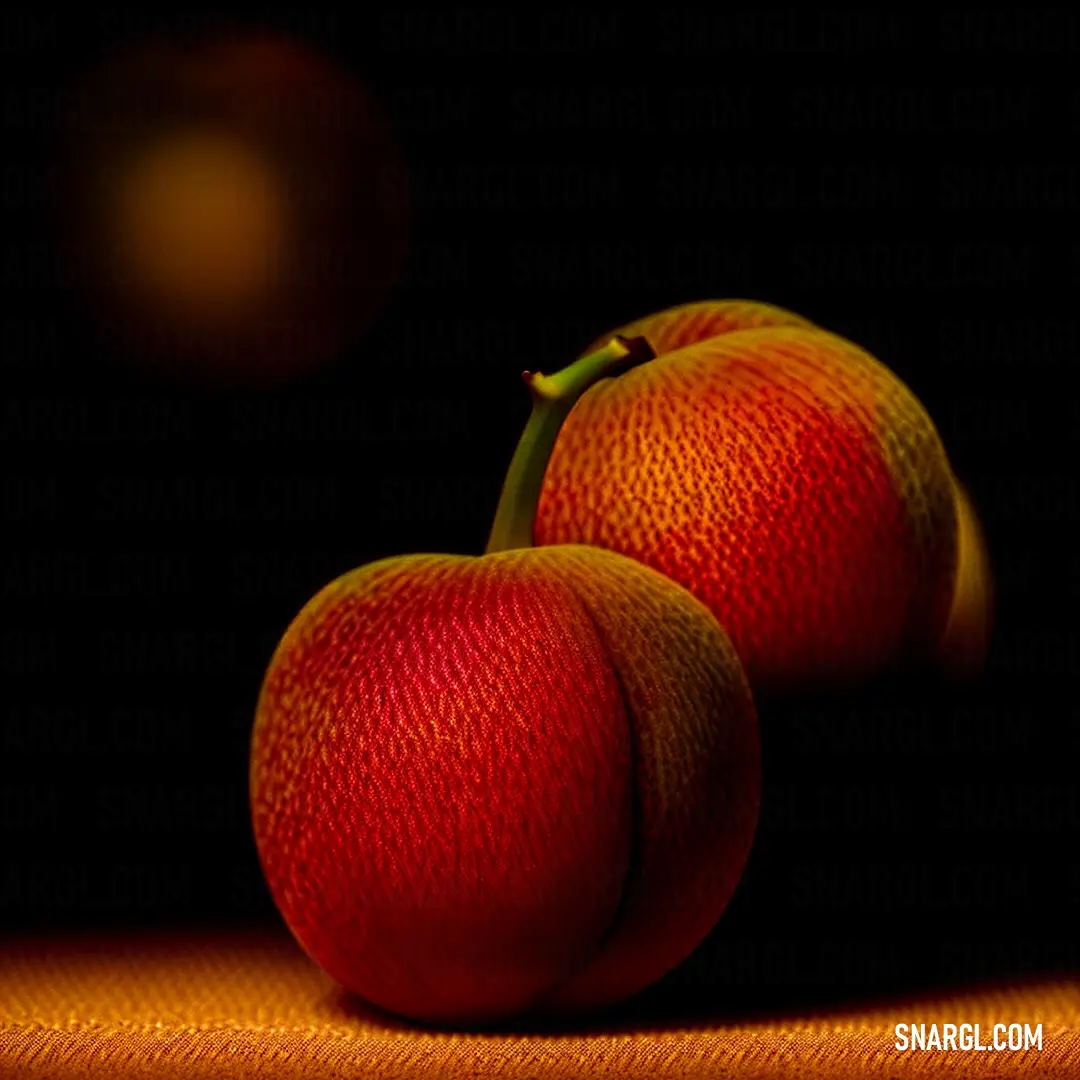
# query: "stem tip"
(639, 348)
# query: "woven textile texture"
(222, 1006)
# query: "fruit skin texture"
(483, 785)
(783, 475)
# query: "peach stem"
(553, 396)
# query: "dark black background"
(903, 180)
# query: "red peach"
(523, 780)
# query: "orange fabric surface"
(228, 1006)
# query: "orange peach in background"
(790, 481)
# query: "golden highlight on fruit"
(966, 639)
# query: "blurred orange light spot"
(232, 208)
(200, 226)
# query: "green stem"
(553, 396)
